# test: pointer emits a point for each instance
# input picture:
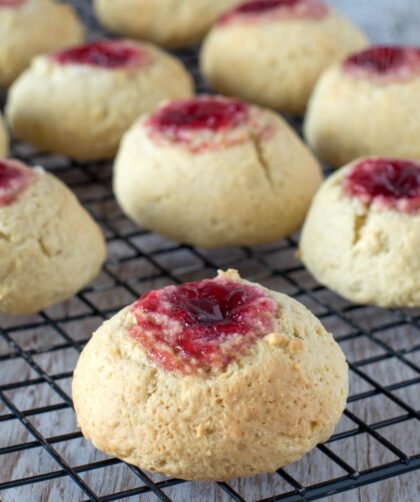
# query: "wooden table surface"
(385, 21)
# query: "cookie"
(32, 27)
(271, 52)
(166, 22)
(4, 139)
(364, 106)
(80, 101)
(215, 171)
(49, 247)
(362, 234)
(210, 380)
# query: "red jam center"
(264, 5)
(296, 8)
(377, 59)
(11, 3)
(390, 182)
(385, 62)
(110, 54)
(14, 179)
(208, 113)
(201, 325)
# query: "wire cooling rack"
(42, 453)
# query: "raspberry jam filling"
(109, 54)
(201, 326)
(14, 179)
(292, 8)
(384, 62)
(389, 183)
(207, 123)
(199, 114)
(11, 3)
(264, 5)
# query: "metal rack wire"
(37, 355)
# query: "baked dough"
(265, 408)
(364, 106)
(170, 23)
(273, 57)
(32, 27)
(213, 172)
(4, 139)
(81, 101)
(364, 246)
(49, 246)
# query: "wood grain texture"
(384, 21)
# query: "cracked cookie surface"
(232, 174)
(267, 407)
(272, 52)
(362, 234)
(49, 245)
(80, 101)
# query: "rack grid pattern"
(37, 355)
